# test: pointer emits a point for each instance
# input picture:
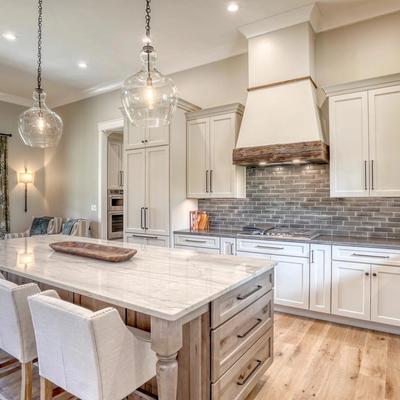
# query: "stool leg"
(46, 389)
(26, 381)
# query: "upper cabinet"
(211, 138)
(136, 138)
(114, 164)
(364, 143)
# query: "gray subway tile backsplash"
(298, 197)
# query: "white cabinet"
(351, 288)
(292, 281)
(320, 278)
(147, 190)
(211, 138)
(136, 137)
(384, 139)
(363, 143)
(147, 240)
(114, 165)
(385, 294)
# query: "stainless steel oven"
(115, 200)
(115, 224)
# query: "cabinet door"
(320, 278)
(221, 144)
(134, 136)
(292, 281)
(157, 136)
(135, 190)
(351, 290)
(385, 295)
(228, 246)
(384, 122)
(114, 169)
(135, 239)
(348, 120)
(157, 190)
(197, 158)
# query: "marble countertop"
(161, 282)
(322, 239)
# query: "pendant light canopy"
(149, 98)
(39, 126)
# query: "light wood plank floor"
(313, 360)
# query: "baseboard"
(338, 319)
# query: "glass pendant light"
(149, 98)
(39, 126)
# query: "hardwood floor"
(313, 360)
(321, 360)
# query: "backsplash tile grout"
(298, 197)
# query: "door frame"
(104, 128)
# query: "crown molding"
(10, 98)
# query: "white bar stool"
(91, 355)
(16, 331)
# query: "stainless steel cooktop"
(268, 230)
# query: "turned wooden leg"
(46, 389)
(166, 340)
(26, 381)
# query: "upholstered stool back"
(91, 355)
(16, 331)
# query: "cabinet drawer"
(238, 381)
(209, 242)
(366, 255)
(273, 247)
(199, 249)
(232, 339)
(235, 301)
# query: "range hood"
(281, 122)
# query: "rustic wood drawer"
(201, 241)
(238, 381)
(273, 247)
(233, 338)
(235, 301)
(366, 255)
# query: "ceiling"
(107, 35)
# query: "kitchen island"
(210, 316)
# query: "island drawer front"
(240, 379)
(233, 338)
(273, 247)
(235, 301)
(366, 255)
(201, 241)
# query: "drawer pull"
(245, 296)
(260, 246)
(244, 379)
(195, 241)
(368, 255)
(243, 335)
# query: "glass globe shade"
(39, 126)
(149, 98)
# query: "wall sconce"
(25, 178)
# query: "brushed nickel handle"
(145, 236)
(254, 326)
(365, 175)
(211, 181)
(142, 218)
(372, 175)
(245, 296)
(260, 246)
(312, 257)
(243, 380)
(207, 181)
(195, 241)
(368, 255)
(146, 218)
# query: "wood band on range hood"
(316, 152)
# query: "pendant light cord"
(39, 52)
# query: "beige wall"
(360, 51)
(19, 157)
(71, 169)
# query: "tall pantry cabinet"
(155, 202)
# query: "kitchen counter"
(181, 295)
(322, 239)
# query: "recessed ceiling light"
(233, 7)
(9, 36)
(82, 65)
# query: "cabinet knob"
(374, 274)
(367, 274)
